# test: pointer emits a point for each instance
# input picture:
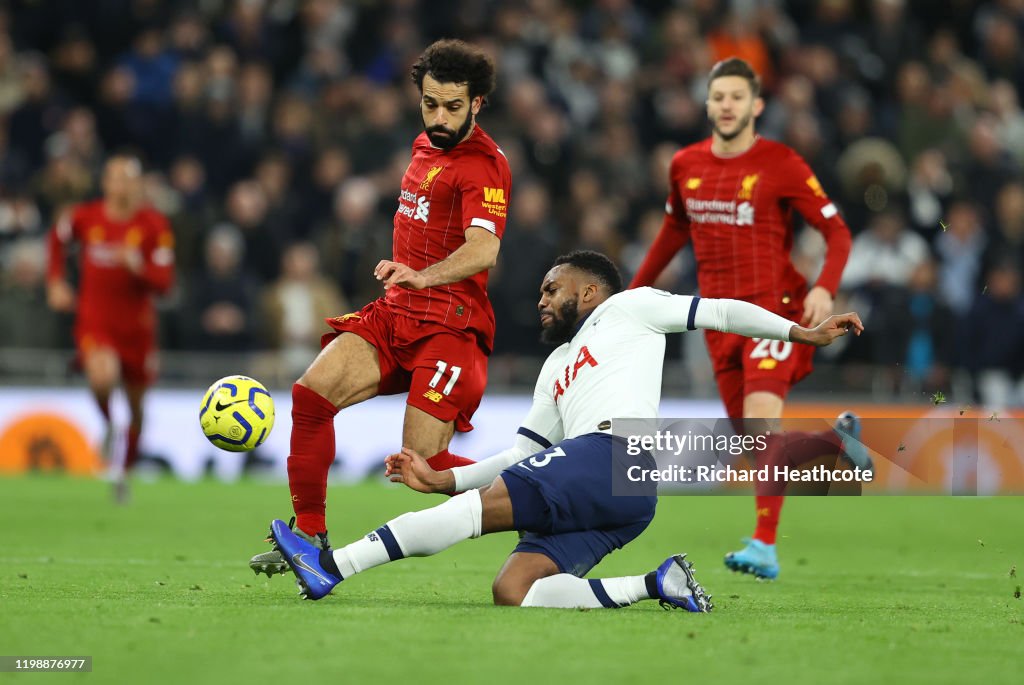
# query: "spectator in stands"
(28, 323)
(355, 240)
(992, 338)
(221, 309)
(295, 305)
(961, 246)
(530, 242)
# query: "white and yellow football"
(237, 413)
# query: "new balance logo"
(433, 395)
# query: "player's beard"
(452, 139)
(563, 323)
(740, 128)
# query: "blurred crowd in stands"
(276, 133)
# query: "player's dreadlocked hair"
(734, 66)
(595, 264)
(454, 61)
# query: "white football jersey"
(612, 366)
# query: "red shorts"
(137, 354)
(443, 370)
(744, 365)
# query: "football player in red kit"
(127, 257)
(733, 196)
(431, 333)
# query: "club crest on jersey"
(431, 175)
(747, 186)
(584, 358)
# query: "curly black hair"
(455, 61)
(734, 66)
(595, 264)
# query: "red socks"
(131, 452)
(446, 460)
(792, 449)
(769, 507)
(312, 453)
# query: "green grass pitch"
(873, 590)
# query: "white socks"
(565, 591)
(417, 534)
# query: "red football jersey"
(444, 192)
(111, 297)
(738, 213)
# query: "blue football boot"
(304, 559)
(678, 589)
(757, 559)
(854, 452)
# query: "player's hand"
(835, 326)
(410, 468)
(60, 296)
(396, 273)
(131, 258)
(817, 307)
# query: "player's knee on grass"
(517, 576)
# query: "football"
(237, 413)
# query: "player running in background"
(555, 484)
(733, 196)
(431, 333)
(126, 257)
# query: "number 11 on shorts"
(441, 368)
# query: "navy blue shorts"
(563, 505)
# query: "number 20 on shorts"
(779, 350)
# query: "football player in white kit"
(554, 484)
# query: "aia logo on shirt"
(583, 359)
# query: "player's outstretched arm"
(411, 468)
(479, 253)
(835, 326)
